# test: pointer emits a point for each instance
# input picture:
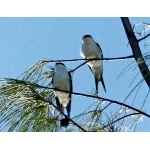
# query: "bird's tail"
(103, 83)
(64, 122)
(96, 85)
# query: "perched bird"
(91, 49)
(62, 81)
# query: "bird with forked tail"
(90, 49)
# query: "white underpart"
(62, 82)
(91, 50)
(63, 98)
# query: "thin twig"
(143, 37)
(73, 70)
(106, 106)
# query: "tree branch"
(91, 59)
(81, 94)
(143, 37)
(136, 50)
(97, 97)
(65, 60)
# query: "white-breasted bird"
(91, 49)
(62, 80)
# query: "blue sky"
(24, 41)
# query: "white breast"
(90, 51)
(62, 82)
(63, 97)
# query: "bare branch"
(97, 97)
(73, 70)
(106, 106)
(143, 37)
(91, 59)
(136, 50)
(87, 60)
(81, 94)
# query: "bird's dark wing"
(96, 85)
(100, 49)
(71, 89)
(98, 45)
(102, 80)
(56, 98)
(96, 81)
(58, 103)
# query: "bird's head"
(87, 38)
(60, 66)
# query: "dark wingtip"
(85, 36)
